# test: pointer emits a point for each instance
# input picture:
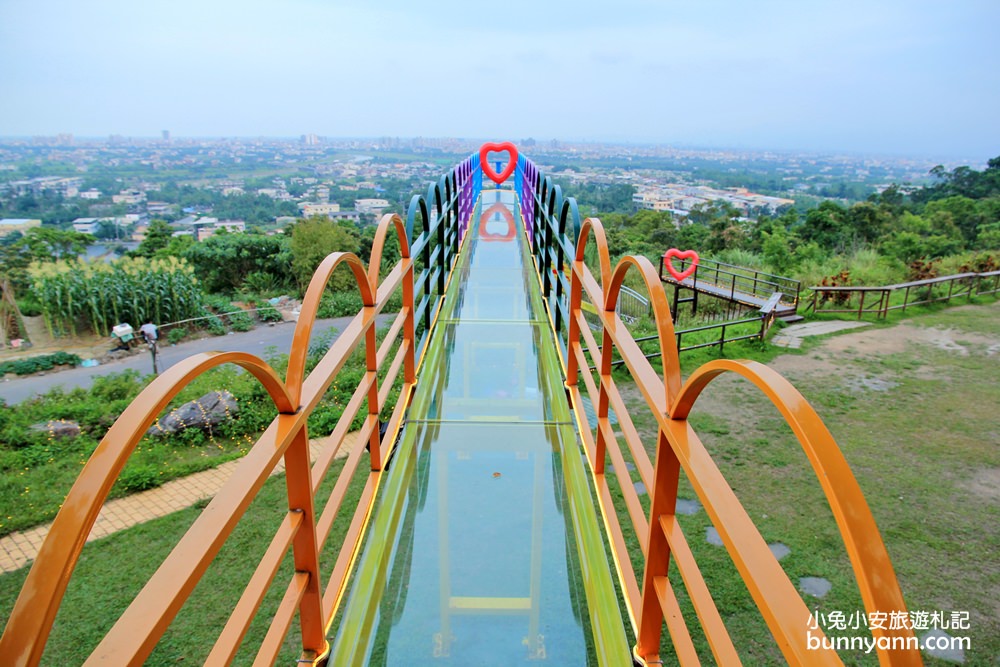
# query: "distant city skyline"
(911, 78)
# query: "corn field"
(97, 295)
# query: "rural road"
(256, 342)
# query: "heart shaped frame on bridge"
(484, 151)
(668, 257)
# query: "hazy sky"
(874, 76)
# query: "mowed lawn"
(914, 406)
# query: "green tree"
(49, 244)
(315, 238)
(39, 244)
(959, 212)
(989, 237)
(828, 226)
(158, 236)
(777, 249)
(223, 262)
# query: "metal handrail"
(757, 284)
(651, 599)
(973, 286)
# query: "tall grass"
(98, 295)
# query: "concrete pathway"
(792, 336)
(19, 549)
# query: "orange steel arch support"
(35, 610)
(869, 558)
(653, 602)
(303, 530)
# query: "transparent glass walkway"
(472, 557)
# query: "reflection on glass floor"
(482, 569)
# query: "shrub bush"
(214, 324)
(240, 320)
(176, 335)
(345, 304)
(267, 313)
(44, 362)
(138, 478)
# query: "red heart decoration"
(499, 148)
(679, 276)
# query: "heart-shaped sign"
(484, 162)
(668, 257)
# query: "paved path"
(19, 549)
(792, 336)
(278, 336)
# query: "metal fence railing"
(878, 301)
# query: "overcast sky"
(908, 77)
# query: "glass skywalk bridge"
(473, 557)
(495, 524)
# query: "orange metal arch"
(678, 448)
(378, 244)
(664, 324)
(865, 548)
(310, 306)
(35, 610)
(603, 257)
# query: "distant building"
(129, 197)
(160, 208)
(209, 227)
(87, 225)
(310, 209)
(92, 193)
(8, 225)
(375, 206)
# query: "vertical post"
(861, 305)
(425, 254)
(374, 443)
(560, 258)
(603, 402)
(663, 502)
(305, 550)
(677, 295)
(409, 325)
(442, 241)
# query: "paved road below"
(256, 342)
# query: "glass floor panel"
(484, 571)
